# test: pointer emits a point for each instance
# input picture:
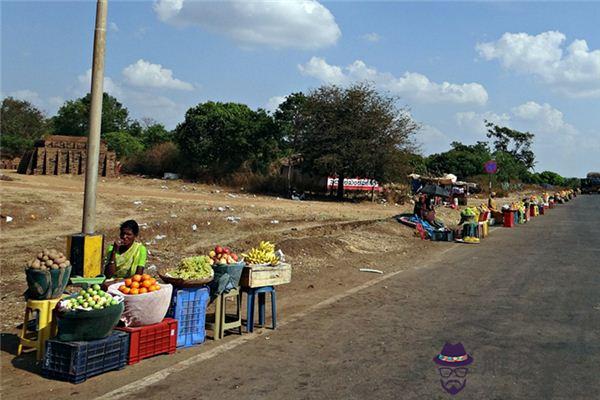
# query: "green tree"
(73, 117)
(552, 178)
(462, 160)
(288, 117)
(516, 143)
(123, 143)
(353, 131)
(218, 139)
(154, 133)
(22, 124)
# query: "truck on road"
(591, 183)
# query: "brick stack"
(56, 155)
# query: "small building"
(57, 155)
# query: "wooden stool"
(220, 321)
(261, 292)
(46, 326)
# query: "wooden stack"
(56, 155)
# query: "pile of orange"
(139, 284)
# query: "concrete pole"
(93, 144)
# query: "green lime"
(81, 292)
(96, 287)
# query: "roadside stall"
(142, 316)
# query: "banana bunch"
(263, 254)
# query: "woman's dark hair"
(132, 225)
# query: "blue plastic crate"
(188, 307)
(76, 361)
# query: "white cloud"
(304, 24)
(543, 118)
(411, 85)
(113, 27)
(318, 68)
(141, 102)
(49, 105)
(85, 84)
(371, 37)
(146, 74)
(274, 102)
(558, 145)
(574, 71)
(432, 140)
(27, 95)
(474, 122)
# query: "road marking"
(158, 376)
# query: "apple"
(212, 253)
(235, 257)
(218, 249)
(226, 250)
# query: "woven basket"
(183, 283)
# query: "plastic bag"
(144, 309)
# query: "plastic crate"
(150, 340)
(77, 361)
(442, 236)
(188, 307)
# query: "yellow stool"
(46, 329)
(485, 228)
(221, 321)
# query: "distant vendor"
(126, 257)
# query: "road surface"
(525, 303)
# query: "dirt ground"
(326, 242)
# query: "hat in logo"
(453, 355)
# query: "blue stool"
(261, 292)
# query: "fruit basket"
(184, 283)
(48, 284)
(47, 275)
(190, 272)
(84, 324)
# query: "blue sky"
(530, 66)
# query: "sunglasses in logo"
(459, 372)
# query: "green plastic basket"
(48, 284)
(79, 325)
(87, 282)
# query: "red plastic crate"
(150, 340)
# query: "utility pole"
(85, 250)
(93, 144)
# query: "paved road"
(525, 303)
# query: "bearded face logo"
(452, 362)
(453, 380)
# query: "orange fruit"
(136, 278)
(147, 283)
(135, 285)
(134, 291)
(145, 277)
(152, 281)
(155, 287)
(127, 282)
(143, 290)
(124, 289)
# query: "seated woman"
(127, 256)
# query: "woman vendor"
(126, 257)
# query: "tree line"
(353, 131)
